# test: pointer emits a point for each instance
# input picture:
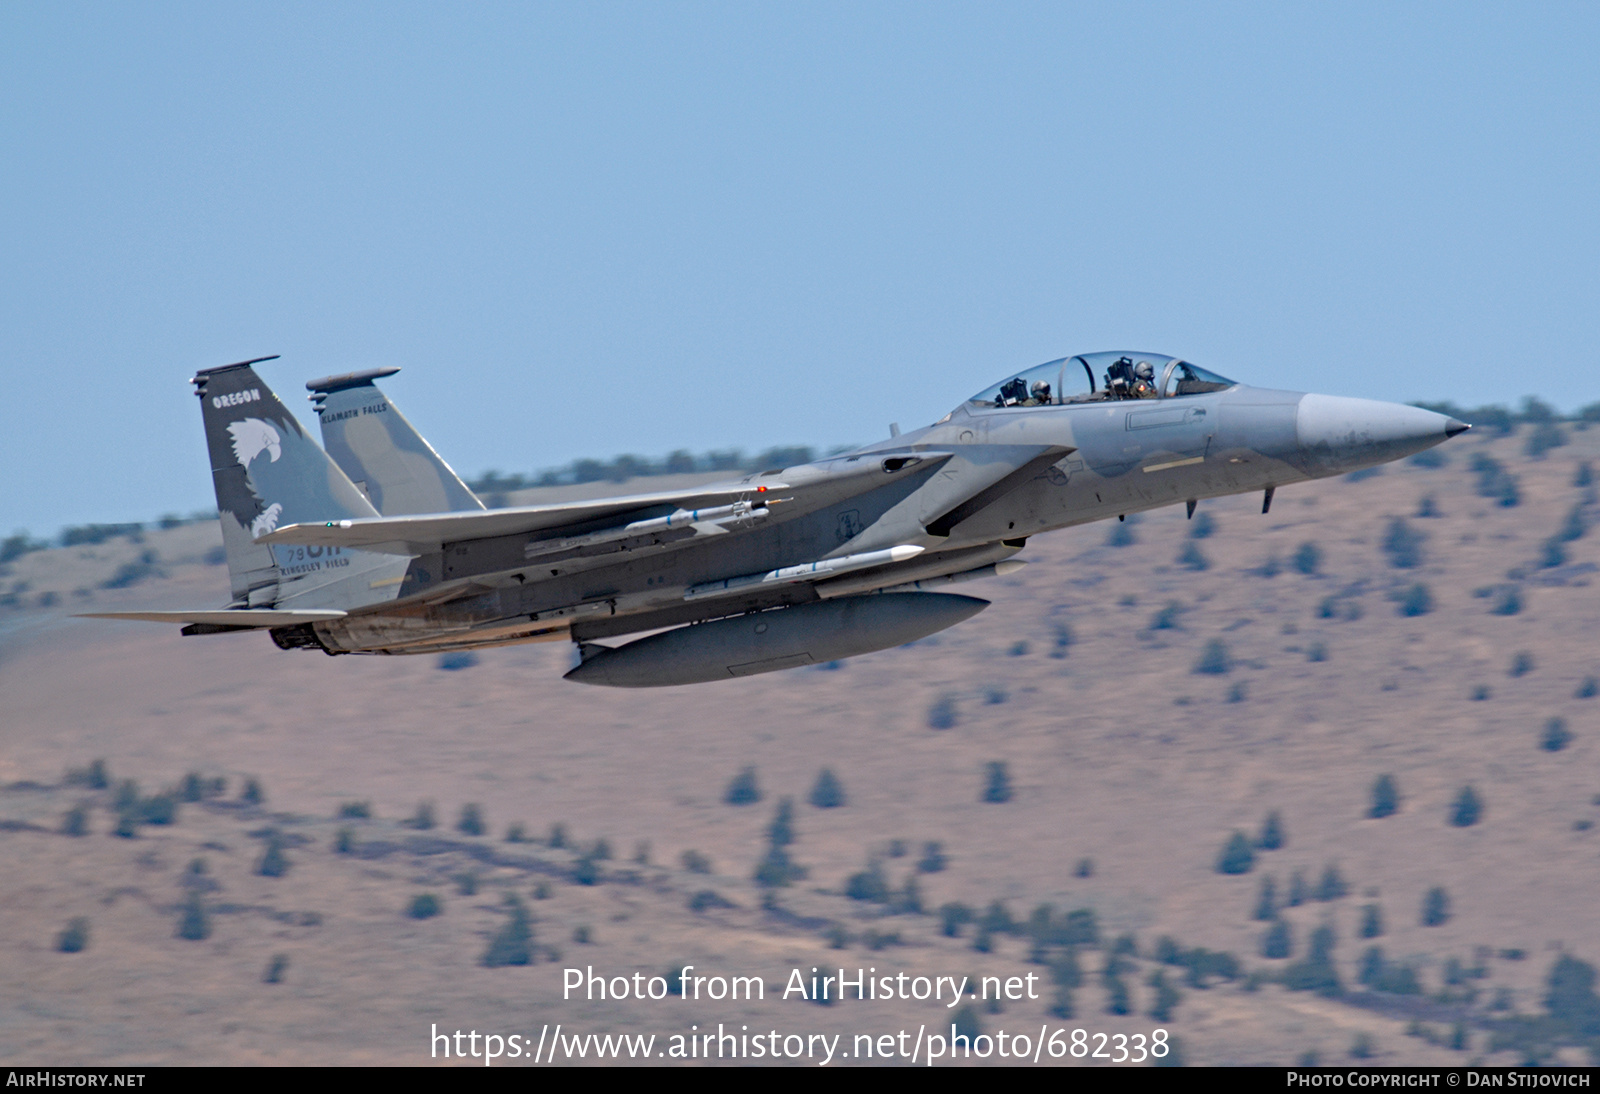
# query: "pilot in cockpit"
(1126, 380)
(1041, 393)
(1144, 381)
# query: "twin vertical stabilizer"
(267, 473)
(386, 458)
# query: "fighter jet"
(376, 546)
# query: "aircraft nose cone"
(1342, 434)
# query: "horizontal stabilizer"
(237, 617)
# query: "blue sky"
(591, 229)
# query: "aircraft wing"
(237, 617)
(797, 490)
(414, 535)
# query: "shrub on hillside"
(1237, 857)
(1542, 438)
(1277, 943)
(997, 782)
(1165, 997)
(1416, 600)
(1466, 810)
(869, 885)
(512, 944)
(273, 862)
(742, 788)
(276, 967)
(952, 917)
(1403, 545)
(1299, 891)
(827, 792)
(76, 821)
(1556, 736)
(1333, 885)
(423, 818)
(1385, 797)
(1214, 659)
(776, 869)
(1272, 836)
(1317, 971)
(1266, 901)
(780, 833)
(74, 938)
(1570, 997)
(194, 923)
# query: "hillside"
(1128, 771)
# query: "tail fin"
(386, 457)
(267, 472)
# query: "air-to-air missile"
(377, 546)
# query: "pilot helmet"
(1143, 371)
(1041, 390)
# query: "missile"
(998, 569)
(807, 571)
(782, 638)
(708, 520)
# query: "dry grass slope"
(1116, 751)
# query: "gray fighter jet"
(376, 546)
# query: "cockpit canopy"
(1097, 377)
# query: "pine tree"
(274, 863)
(743, 789)
(1299, 891)
(513, 943)
(1466, 809)
(827, 792)
(1267, 902)
(1385, 797)
(194, 923)
(75, 937)
(780, 833)
(1278, 942)
(1166, 996)
(1236, 856)
(997, 786)
(1317, 972)
(1272, 836)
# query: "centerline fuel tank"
(782, 638)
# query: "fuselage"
(966, 492)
